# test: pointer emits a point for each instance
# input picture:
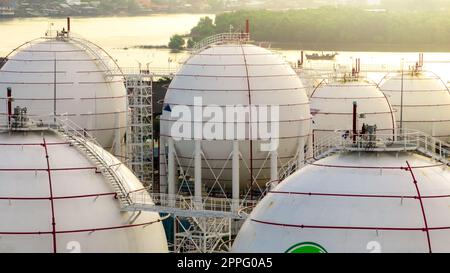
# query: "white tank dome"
(86, 214)
(426, 102)
(239, 75)
(332, 104)
(85, 92)
(351, 203)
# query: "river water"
(118, 36)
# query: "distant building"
(7, 8)
(145, 3)
(7, 3)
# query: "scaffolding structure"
(139, 138)
(199, 226)
(207, 234)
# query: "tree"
(204, 28)
(176, 42)
(190, 43)
(133, 7)
(332, 27)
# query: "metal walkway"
(104, 162)
(186, 206)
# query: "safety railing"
(221, 39)
(287, 169)
(97, 52)
(343, 140)
(402, 140)
(179, 204)
(68, 129)
(150, 71)
(71, 130)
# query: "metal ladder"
(83, 142)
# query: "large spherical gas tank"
(66, 205)
(332, 107)
(426, 102)
(354, 202)
(230, 75)
(69, 77)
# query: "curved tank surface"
(230, 75)
(426, 102)
(67, 76)
(332, 107)
(65, 204)
(355, 202)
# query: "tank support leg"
(301, 153)
(198, 173)
(117, 136)
(171, 171)
(235, 175)
(273, 168)
(162, 165)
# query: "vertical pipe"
(162, 166)
(198, 172)
(171, 169)
(358, 66)
(355, 130)
(401, 101)
(273, 168)
(235, 175)
(247, 26)
(54, 91)
(175, 230)
(310, 144)
(68, 25)
(301, 153)
(251, 168)
(117, 136)
(433, 140)
(9, 104)
(302, 58)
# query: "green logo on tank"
(306, 247)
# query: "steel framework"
(139, 137)
(205, 225)
(202, 223)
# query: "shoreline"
(394, 48)
(106, 15)
(361, 47)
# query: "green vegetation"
(111, 6)
(204, 28)
(190, 43)
(338, 28)
(176, 42)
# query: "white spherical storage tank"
(67, 76)
(332, 107)
(426, 102)
(351, 202)
(53, 199)
(231, 75)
